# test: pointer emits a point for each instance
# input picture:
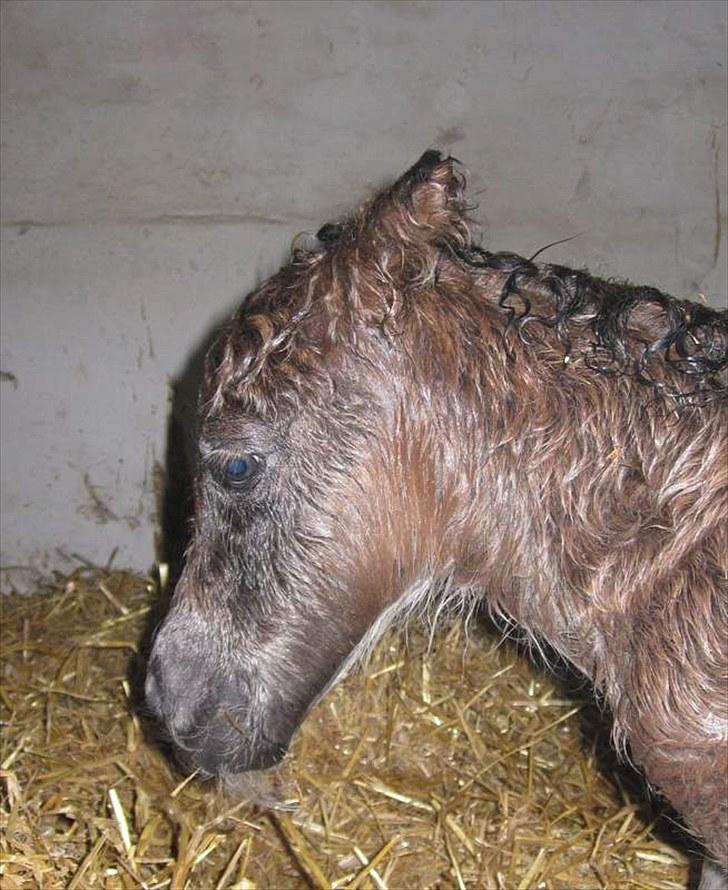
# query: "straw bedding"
(448, 765)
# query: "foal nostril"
(174, 699)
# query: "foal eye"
(238, 470)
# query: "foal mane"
(632, 328)
(397, 242)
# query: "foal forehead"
(260, 329)
(232, 424)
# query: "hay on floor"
(457, 766)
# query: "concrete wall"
(158, 158)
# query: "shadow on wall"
(175, 493)
(176, 505)
(176, 500)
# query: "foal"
(400, 417)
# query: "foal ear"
(424, 206)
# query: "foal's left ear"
(424, 206)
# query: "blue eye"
(239, 469)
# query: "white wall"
(158, 157)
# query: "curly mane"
(371, 267)
(690, 337)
